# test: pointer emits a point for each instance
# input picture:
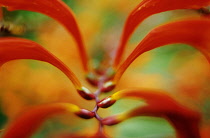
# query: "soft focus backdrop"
(178, 69)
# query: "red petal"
(28, 122)
(161, 104)
(55, 9)
(147, 8)
(192, 32)
(1, 14)
(17, 48)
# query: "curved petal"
(1, 14)
(192, 32)
(160, 104)
(18, 48)
(55, 9)
(29, 121)
(147, 8)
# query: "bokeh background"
(178, 69)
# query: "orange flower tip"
(85, 114)
(106, 102)
(108, 86)
(85, 93)
(109, 121)
(92, 79)
(99, 71)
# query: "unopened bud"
(109, 121)
(92, 79)
(107, 102)
(86, 94)
(110, 73)
(108, 86)
(86, 114)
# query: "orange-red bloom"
(25, 125)
(194, 32)
(16, 48)
(55, 9)
(158, 104)
(147, 8)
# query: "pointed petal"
(29, 121)
(55, 9)
(17, 48)
(192, 32)
(160, 104)
(147, 8)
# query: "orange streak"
(147, 8)
(192, 32)
(161, 104)
(59, 11)
(17, 48)
(29, 121)
(1, 14)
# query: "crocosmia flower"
(63, 61)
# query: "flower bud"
(110, 73)
(86, 94)
(92, 79)
(86, 114)
(109, 121)
(107, 102)
(108, 86)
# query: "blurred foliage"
(163, 58)
(145, 127)
(29, 20)
(3, 119)
(206, 110)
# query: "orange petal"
(1, 14)
(28, 122)
(55, 9)
(192, 32)
(160, 104)
(17, 48)
(147, 8)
